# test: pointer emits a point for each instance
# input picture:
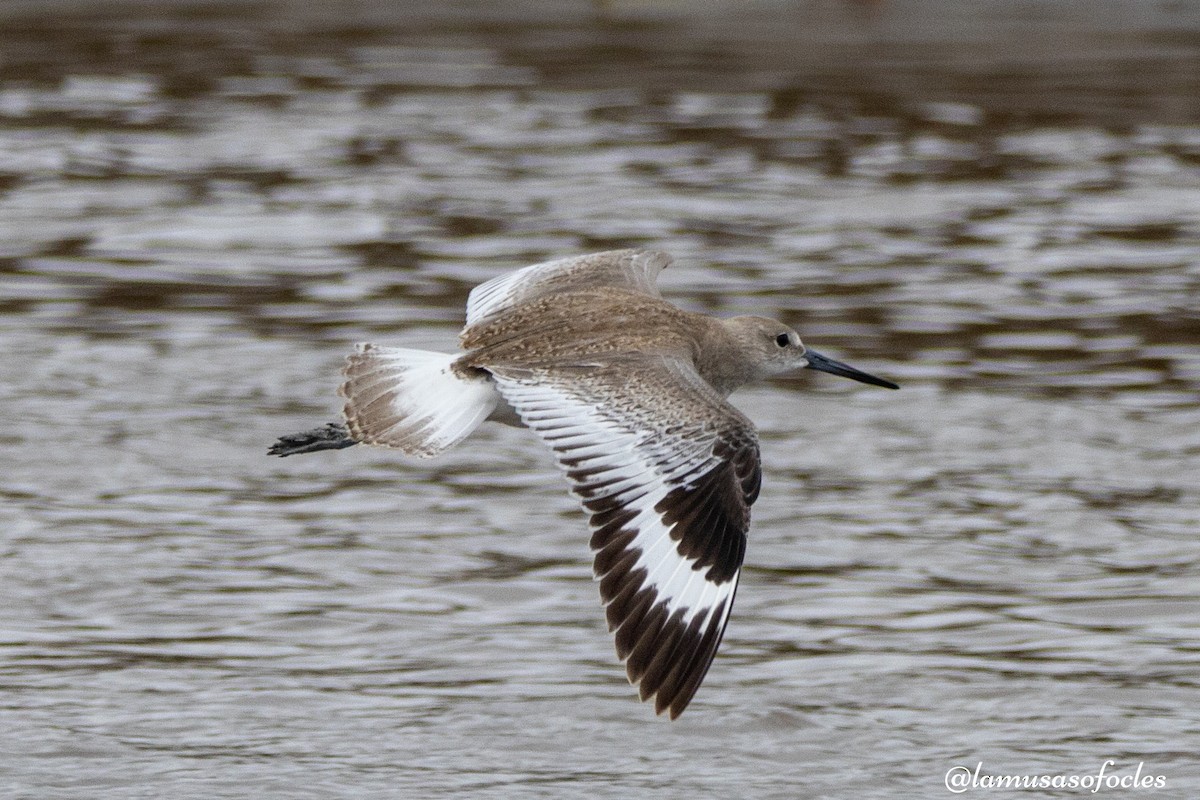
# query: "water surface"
(202, 209)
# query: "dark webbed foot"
(333, 436)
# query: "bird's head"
(772, 348)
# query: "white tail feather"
(413, 400)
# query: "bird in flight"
(630, 392)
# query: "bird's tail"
(413, 400)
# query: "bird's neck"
(719, 358)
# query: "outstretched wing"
(667, 470)
(634, 270)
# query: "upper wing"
(667, 470)
(627, 269)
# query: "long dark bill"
(825, 364)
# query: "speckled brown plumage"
(629, 391)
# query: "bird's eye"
(783, 340)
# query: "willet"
(630, 393)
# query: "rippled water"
(202, 211)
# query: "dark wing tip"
(666, 656)
(695, 656)
(667, 643)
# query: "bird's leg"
(333, 436)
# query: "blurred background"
(203, 206)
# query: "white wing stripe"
(638, 461)
(667, 548)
